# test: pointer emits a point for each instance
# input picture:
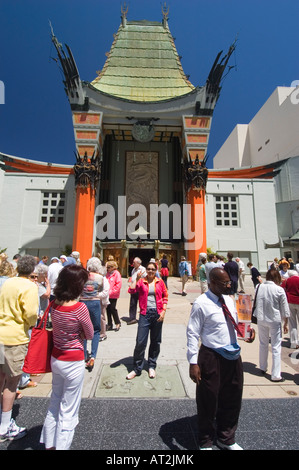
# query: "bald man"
(217, 367)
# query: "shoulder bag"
(38, 358)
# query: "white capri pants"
(62, 416)
(272, 329)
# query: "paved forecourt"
(115, 357)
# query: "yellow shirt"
(18, 310)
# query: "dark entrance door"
(143, 253)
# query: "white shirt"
(271, 303)
(53, 271)
(241, 266)
(104, 294)
(209, 266)
(208, 323)
(135, 271)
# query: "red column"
(196, 226)
(84, 223)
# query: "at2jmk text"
(170, 459)
(156, 459)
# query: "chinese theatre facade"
(141, 133)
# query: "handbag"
(253, 318)
(38, 357)
(164, 272)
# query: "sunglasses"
(224, 284)
(151, 269)
(33, 276)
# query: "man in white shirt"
(241, 275)
(217, 368)
(211, 264)
(53, 272)
(134, 297)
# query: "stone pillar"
(89, 142)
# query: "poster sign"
(244, 309)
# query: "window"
(226, 211)
(53, 208)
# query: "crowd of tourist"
(83, 305)
(217, 367)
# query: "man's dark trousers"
(218, 397)
(133, 306)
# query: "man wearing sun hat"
(53, 271)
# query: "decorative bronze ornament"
(87, 172)
(196, 174)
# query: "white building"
(37, 207)
(272, 138)
(238, 222)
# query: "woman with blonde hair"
(284, 270)
(115, 282)
(6, 269)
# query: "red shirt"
(69, 322)
(291, 286)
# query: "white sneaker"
(234, 446)
(13, 432)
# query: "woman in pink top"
(115, 282)
(71, 326)
(153, 297)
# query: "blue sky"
(35, 121)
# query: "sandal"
(90, 364)
(117, 328)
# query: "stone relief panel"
(142, 181)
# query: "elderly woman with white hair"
(44, 288)
(92, 296)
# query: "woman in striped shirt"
(71, 326)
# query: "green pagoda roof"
(143, 65)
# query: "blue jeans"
(147, 324)
(94, 308)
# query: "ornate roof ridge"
(133, 50)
